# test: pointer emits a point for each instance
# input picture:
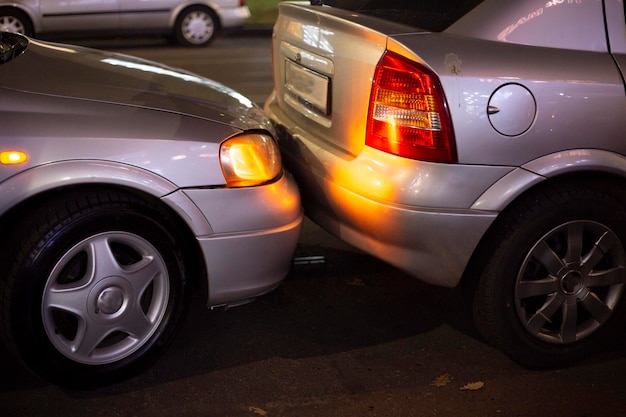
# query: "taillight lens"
(407, 112)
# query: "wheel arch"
(557, 165)
(22, 197)
(27, 12)
(608, 180)
(20, 304)
(488, 280)
(607, 169)
(209, 6)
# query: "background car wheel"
(196, 26)
(96, 288)
(552, 288)
(12, 20)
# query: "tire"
(552, 288)
(196, 26)
(96, 288)
(12, 20)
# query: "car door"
(79, 15)
(146, 14)
(616, 31)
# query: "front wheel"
(552, 288)
(196, 26)
(96, 288)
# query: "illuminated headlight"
(250, 159)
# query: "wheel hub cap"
(110, 300)
(197, 27)
(105, 298)
(572, 282)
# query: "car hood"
(94, 75)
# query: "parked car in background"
(473, 143)
(190, 23)
(125, 186)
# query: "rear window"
(432, 15)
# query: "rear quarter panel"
(579, 96)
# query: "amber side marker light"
(408, 115)
(13, 157)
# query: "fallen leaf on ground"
(441, 380)
(473, 386)
(257, 410)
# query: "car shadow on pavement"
(349, 302)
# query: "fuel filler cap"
(512, 109)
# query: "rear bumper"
(433, 246)
(234, 17)
(416, 216)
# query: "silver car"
(189, 22)
(469, 143)
(125, 186)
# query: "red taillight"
(407, 113)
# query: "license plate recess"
(310, 88)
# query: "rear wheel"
(196, 26)
(552, 289)
(12, 20)
(96, 288)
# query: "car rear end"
(469, 139)
(410, 126)
(335, 75)
(233, 13)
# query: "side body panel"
(59, 15)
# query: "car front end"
(127, 185)
(145, 120)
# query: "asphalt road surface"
(346, 337)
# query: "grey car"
(472, 144)
(127, 185)
(189, 22)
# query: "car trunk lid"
(318, 50)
